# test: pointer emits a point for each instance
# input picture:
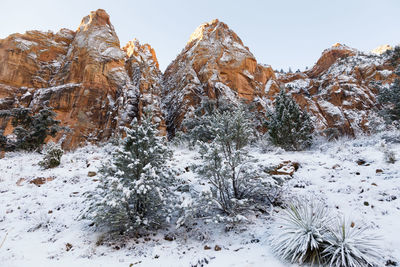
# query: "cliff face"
(95, 87)
(213, 64)
(143, 69)
(82, 75)
(340, 90)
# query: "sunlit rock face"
(83, 75)
(340, 90)
(214, 64)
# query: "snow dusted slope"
(41, 226)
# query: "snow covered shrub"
(288, 126)
(389, 156)
(350, 246)
(30, 131)
(389, 98)
(52, 155)
(300, 232)
(305, 232)
(234, 177)
(133, 190)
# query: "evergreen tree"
(288, 126)
(134, 186)
(390, 98)
(31, 131)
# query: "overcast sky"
(281, 33)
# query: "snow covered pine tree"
(133, 191)
(288, 126)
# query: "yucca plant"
(350, 246)
(300, 232)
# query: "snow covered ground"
(41, 227)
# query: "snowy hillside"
(40, 209)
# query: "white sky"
(282, 33)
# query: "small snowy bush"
(52, 155)
(134, 188)
(349, 246)
(390, 156)
(305, 233)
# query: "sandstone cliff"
(84, 76)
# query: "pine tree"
(133, 191)
(288, 126)
(390, 98)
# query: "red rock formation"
(340, 89)
(95, 87)
(214, 63)
(81, 75)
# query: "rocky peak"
(330, 56)
(382, 49)
(142, 52)
(214, 64)
(214, 31)
(96, 18)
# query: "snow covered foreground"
(40, 226)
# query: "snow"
(41, 221)
(23, 44)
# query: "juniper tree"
(227, 165)
(390, 99)
(288, 126)
(31, 130)
(133, 190)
